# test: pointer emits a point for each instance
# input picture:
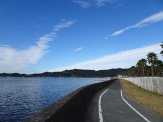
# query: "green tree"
(138, 67)
(152, 57)
(158, 67)
(131, 71)
(147, 70)
(141, 64)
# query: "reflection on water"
(21, 98)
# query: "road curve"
(113, 105)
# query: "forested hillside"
(70, 73)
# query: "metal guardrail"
(153, 84)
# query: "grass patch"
(151, 100)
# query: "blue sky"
(54, 35)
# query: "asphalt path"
(113, 105)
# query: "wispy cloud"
(63, 25)
(88, 3)
(100, 3)
(42, 18)
(42, 61)
(123, 59)
(83, 4)
(145, 22)
(14, 60)
(80, 48)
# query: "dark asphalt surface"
(114, 109)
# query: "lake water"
(21, 98)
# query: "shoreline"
(73, 107)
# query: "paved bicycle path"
(115, 109)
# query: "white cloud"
(80, 48)
(14, 60)
(83, 4)
(100, 3)
(42, 61)
(123, 59)
(87, 3)
(149, 20)
(63, 25)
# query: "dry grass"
(151, 100)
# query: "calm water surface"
(20, 98)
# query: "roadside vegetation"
(149, 66)
(151, 100)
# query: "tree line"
(151, 66)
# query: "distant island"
(70, 73)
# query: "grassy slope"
(151, 100)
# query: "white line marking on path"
(99, 105)
(134, 109)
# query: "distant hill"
(93, 73)
(71, 73)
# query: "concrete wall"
(153, 84)
(73, 107)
